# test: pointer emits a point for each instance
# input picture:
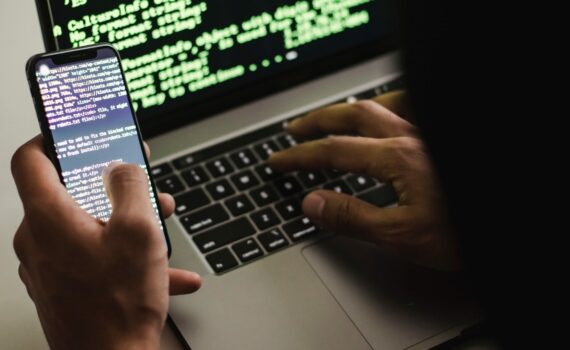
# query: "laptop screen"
(178, 54)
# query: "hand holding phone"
(97, 283)
(87, 119)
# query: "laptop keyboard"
(237, 209)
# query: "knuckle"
(330, 148)
(18, 243)
(332, 143)
(408, 128)
(364, 107)
(316, 114)
(406, 147)
(23, 273)
(369, 111)
(404, 155)
(363, 111)
(326, 145)
(18, 159)
(408, 143)
(314, 118)
(344, 214)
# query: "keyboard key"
(195, 176)
(244, 158)
(161, 170)
(204, 219)
(360, 183)
(273, 240)
(185, 162)
(341, 101)
(302, 196)
(366, 95)
(170, 185)
(396, 84)
(351, 99)
(239, 205)
(194, 158)
(247, 250)
(265, 149)
(300, 229)
(227, 146)
(264, 195)
(245, 180)
(266, 173)
(311, 178)
(288, 186)
(224, 234)
(222, 260)
(220, 189)
(220, 167)
(333, 174)
(191, 201)
(380, 197)
(265, 219)
(286, 141)
(289, 209)
(338, 186)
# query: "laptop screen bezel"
(178, 116)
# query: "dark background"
(477, 73)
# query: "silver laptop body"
(324, 293)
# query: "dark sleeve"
(461, 77)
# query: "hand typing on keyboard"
(95, 285)
(388, 148)
(238, 209)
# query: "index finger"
(397, 102)
(345, 153)
(366, 118)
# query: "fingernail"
(273, 156)
(195, 275)
(313, 206)
(107, 171)
(293, 124)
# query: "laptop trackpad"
(394, 305)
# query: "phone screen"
(92, 124)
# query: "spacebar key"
(225, 234)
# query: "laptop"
(213, 83)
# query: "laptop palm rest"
(393, 304)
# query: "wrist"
(146, 338)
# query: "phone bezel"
(77, 55)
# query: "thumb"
(183, 282)
(348, 215)
(127, 186)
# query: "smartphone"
(87, 119)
